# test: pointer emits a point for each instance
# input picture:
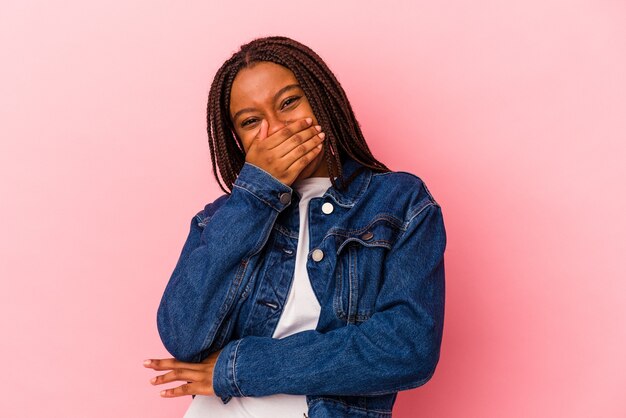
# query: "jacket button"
(327, 208)
(317, 254)
(366, 236)
(285, 198)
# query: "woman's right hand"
(286, 152)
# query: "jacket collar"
(350, 195)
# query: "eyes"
(288, 102)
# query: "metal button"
(285, 198)
(327, 208)
(366, 236)
(317, 254)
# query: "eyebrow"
(276, 96)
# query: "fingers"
(305, 140)
(300, 149)
(263, 130)
(181, 390)
(286, 152)
(169, 364)
(287, 132)
(198, 377)
(179, 374)
(187, 389)
(304, 155)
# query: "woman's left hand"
(199, 376)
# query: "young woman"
(315, 285)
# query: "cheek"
(246, 144)
(304, 111)
(246, 139)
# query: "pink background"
(514, 113)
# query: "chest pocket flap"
(360, 256)
(380, 232)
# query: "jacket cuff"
(224, 374)
(264, 186)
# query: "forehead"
(259, 83)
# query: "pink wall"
(514, 115)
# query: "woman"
(315, 285)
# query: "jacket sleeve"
(397, 348)
(207, 278)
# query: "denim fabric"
(380, 285)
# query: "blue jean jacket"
(376, 266)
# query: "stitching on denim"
(200, 221)
(337, 303)
(379, 411)
(429, 194)
(363, 317)
(370, 244)
(366, 179)
(350, 238)
(421, 181)
(269, 174)
(350, 259)
(339, 291)
(235, 369)
(238, 277)
(415, 176)
(285, 231)
(257, 196)
(212, 209)
(381, 217)
(418, 212)
(336, 200)
(351, 272)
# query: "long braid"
(232, 145)
(213, 119)
(327, 98)
(340, 105)
(337, 102)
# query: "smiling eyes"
(288, 102)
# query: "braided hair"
(321, 88)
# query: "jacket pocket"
(359, 269)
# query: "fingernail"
(147, 362)
(319, 128)
(153, 380)
(162, 393)
(309, 120)
(319, 146)
(322, 135)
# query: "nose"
(275, 124)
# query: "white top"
(301, 312)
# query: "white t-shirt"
(301, 312)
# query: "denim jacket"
(375, 264)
